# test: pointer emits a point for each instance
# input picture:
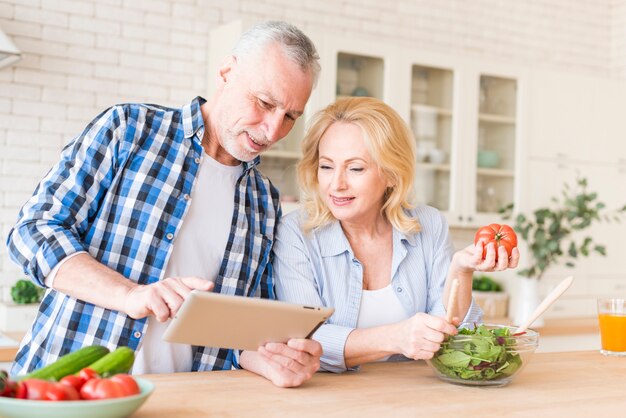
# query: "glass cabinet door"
(431, 123)
(359, 75)
(495, 158)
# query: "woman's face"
(349, 180)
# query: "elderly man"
(149, 203)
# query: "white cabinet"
(491, 141)
(577, 117)
(467, 120)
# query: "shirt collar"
(334, 242)
(193, 125)
(332, 239)
(192, 119)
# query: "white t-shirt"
(380, 307)
(198, 251)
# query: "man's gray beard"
(230, 145)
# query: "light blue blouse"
(320, 269)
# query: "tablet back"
(215, 320)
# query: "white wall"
(618, 37)
(81, 56)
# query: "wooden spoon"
(545, 304)
(454, 290)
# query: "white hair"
(296, 46)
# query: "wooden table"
(572, 384)
(7, 354)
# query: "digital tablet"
(237, 322)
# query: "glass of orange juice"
(612, 317)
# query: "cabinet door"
(431, 121)
(608, 142)
(357, 67)
(494, 153)
(564, 115)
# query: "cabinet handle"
(470, 219)
(460, 217)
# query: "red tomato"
(20, 391)
(128, 383)
(61, 392)
(115, 387)
(499, 235)
(43, 390)
(74, 381)
(37, 389)
(87, 374)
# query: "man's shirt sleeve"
(53, 222)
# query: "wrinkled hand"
(470, 258)
(420, 336)
(163, 298)
(291, 364)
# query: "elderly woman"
(360, 246)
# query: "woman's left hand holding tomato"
(471, 259)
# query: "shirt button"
(186, 197)
(197, 160)
(169, 236)
(136, 334)
(399, 290)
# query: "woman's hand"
(420, 336)
(470, 258)
(285, 365)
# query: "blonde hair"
(391, 145)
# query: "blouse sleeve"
(295, 282)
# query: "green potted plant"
(491, 298)
(24, 291)
(18, 314)
(552, 233)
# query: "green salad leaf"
(486, 355)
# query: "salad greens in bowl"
(484, 355)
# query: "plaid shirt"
(118, 193)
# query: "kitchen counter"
(9, 343)
(552, 385)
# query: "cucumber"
(118, 361)
(69, 363)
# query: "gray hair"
(296, 46)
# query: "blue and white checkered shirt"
(118, 193)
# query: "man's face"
(259, 99)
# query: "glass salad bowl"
(484, 355)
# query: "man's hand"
(285, 365)
(163, 298)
